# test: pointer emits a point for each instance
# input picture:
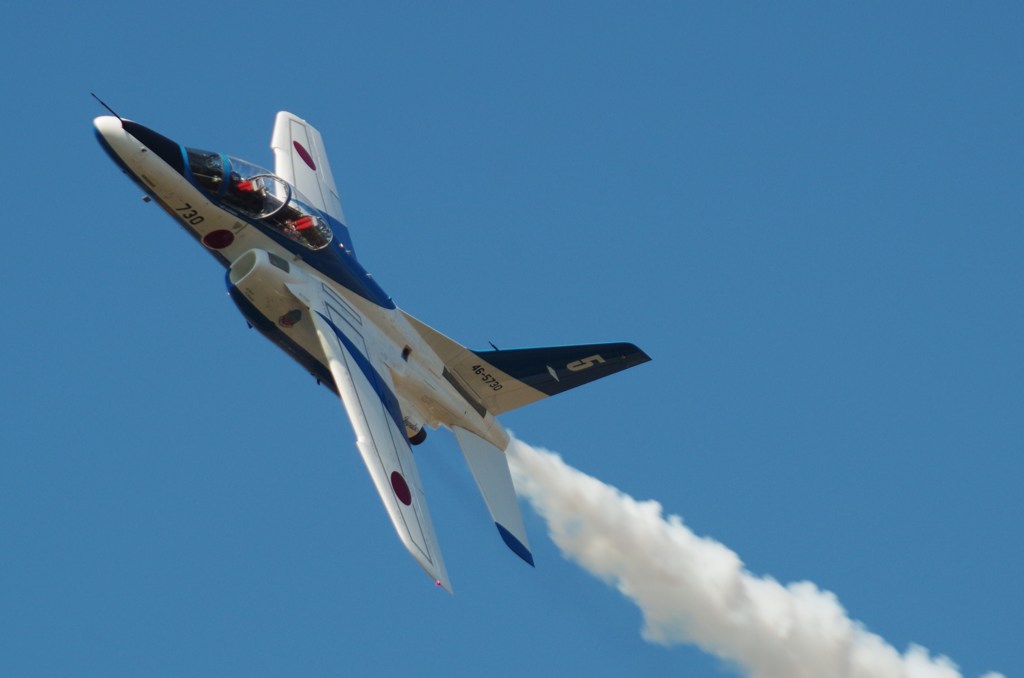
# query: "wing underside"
(368, 397)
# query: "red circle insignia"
(218, 240)
(401, 488)
(304, 154)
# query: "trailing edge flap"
(506, 380)
(490, 470)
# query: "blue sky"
(808, 215)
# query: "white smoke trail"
(693, 589)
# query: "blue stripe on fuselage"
(339, 265)
(377, 381)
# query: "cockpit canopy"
(259, 194)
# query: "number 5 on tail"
(583, 364)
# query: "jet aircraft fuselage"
(293, 273)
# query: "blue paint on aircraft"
(275, 334)
(517, 546)
(379, 384)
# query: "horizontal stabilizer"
(556, 369)
(490, 470)
(502, 381)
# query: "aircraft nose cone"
(107, 125)
(113, 139)
(121, 138)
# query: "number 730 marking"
(189, 214)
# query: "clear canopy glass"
(259, 194)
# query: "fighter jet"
(293, 273)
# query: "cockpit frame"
(259, 195)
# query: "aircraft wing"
(300, 159)
(368, 395)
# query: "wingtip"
(636, 354)
(513, 543)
